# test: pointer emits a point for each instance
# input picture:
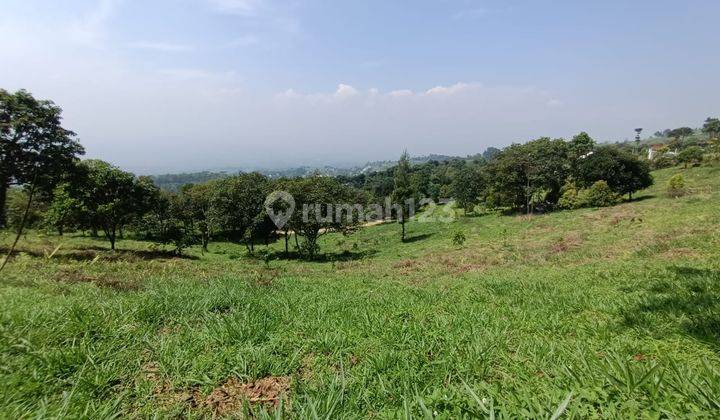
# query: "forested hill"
(173, 182)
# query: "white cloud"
(453, 89)
(400, 93)
(161, 46)
(345, 91)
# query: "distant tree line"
(56, 190)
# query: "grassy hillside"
(608, 312)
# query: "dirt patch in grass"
(567, 243)
(679, 253)
(74, 276)
(407, 266)
(264, 277)
(614, 215)
(229, 397)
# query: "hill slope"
(615, 308)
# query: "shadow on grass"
(641, 198)
(92, 252)
(417, 238)
(324, 257)
(689, 297)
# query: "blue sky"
(206, 84)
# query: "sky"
(186, 85)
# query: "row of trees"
(522, 177)
(96, 197)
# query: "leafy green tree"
(530, 174)
(678, 135)
(467, 187)
(692, 155)
(197, 203)
(34, 147)
(17, 206)
(403, 194)
(712, 128)
(316, 210)
(105, 197)
(490, 153)
(64, 210)
(580, 145)
(235, 205)
(624, 172)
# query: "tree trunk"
(111, 235)
(287, 238)
(402, 223)
(4, 187)
(205, 241)
(22, 223)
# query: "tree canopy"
(34, 147)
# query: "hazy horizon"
(191, 85)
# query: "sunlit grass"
(598, 312)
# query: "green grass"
(610, 312)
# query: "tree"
(64, 209)
(679, 135)
(528, 175)
(403, 193)
(712, 128)
(624, 172)
(106, 197)
(467, 186)
(34, 147)
(691, 155)
(235, 205)
(580, 145)
(197, 201)
(322, 205)
(490, 153)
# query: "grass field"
(610, 312)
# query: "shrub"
(693, 155)
(664, 161)
(570, 198)
(676, 186)
(458, 238)
(601, 195)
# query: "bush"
(601, 195)
(570, 198)
(458, 238)
(664, 161)
(693, 155)
(676, 186)
(598, 195)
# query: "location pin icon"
(280, 206)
